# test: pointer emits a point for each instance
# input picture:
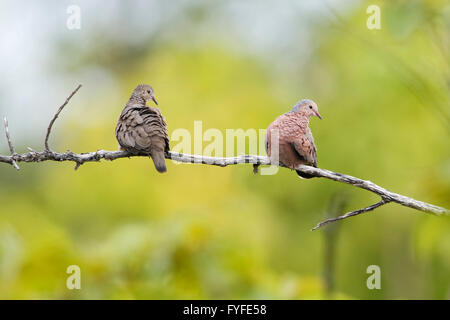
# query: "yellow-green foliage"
(209, 232)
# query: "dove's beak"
(318, 115)
(154, 100)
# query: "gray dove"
(142, 128)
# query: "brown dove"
(142, 128)
(296, 143)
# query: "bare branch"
(82, 158)
(49, 129)
(11, 147)
(372, 187)
(351, 214)
(79, 159)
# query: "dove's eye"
(148, 91)
(310, 107)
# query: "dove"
(295, 140)
(142, 128)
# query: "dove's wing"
(305, 148)
(142, 129)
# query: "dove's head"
(307, 107)
(144, 92)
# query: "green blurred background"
(203, 232)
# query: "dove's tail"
(159, 160)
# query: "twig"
(49, 129)
(8, 138)
(11, 147)
(351, 214)
(79, 159)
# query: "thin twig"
(49, 129)
(8, 138)
(11, 147)
(351, 214)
